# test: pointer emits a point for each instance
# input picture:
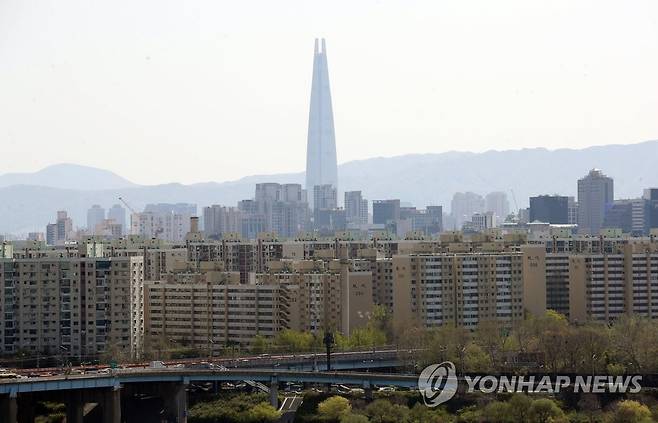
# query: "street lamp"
(328, 342)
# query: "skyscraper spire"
(321, 164)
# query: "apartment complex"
(603, 286)
(209, 308)
(77, 305)
(468, 289)
(127, 292)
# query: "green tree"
(262, 413)
(422, 414)
(492, 338)
(368, 336)
(333, 408)
(383, 411)
(629, 411)
(635, 342)
(520, 407)
(544, 410)
(259, 345)
(476, 359)
(294, 341)
(353, 418)
(497, 412)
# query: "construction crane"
(127, 205)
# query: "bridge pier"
(175, 399)
(74, 407)
(9, 408)
(367, 389)
(25, 404)
(110, 403)
(274, 392)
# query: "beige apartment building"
(466, 289)
(208, 308)
(78, 307)
(603, 287)
(334, 295)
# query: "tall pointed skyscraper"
(321, 165)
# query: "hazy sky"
(192, 91)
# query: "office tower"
(427, 222)
(464, 205)
(497, 203)
(549, 209)
(480, 222)
(385, 211)
(356, 208)
(325, 197)
(432, 221)
(118, 214)
(95, 215)
(572, 207)
(59, 232)
(293, 193)
(321, 165)
(628, 215)
(651, 196)
(595, 197)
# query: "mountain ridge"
(63, 176)
(421, 179)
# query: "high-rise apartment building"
(549, 209)
(61, 231)
(95, 215)
(321, 164)
(595, 197)
(118, 214)
(603, 286)
(218, 220)
(468, 289)
(283, 208)
(464, 205)
(170, 222)
(356, 208)
(73, 306)
(496, 202)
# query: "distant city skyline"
(213, 91)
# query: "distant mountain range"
(68, 176)
(28, 201)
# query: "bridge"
(18, 396)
